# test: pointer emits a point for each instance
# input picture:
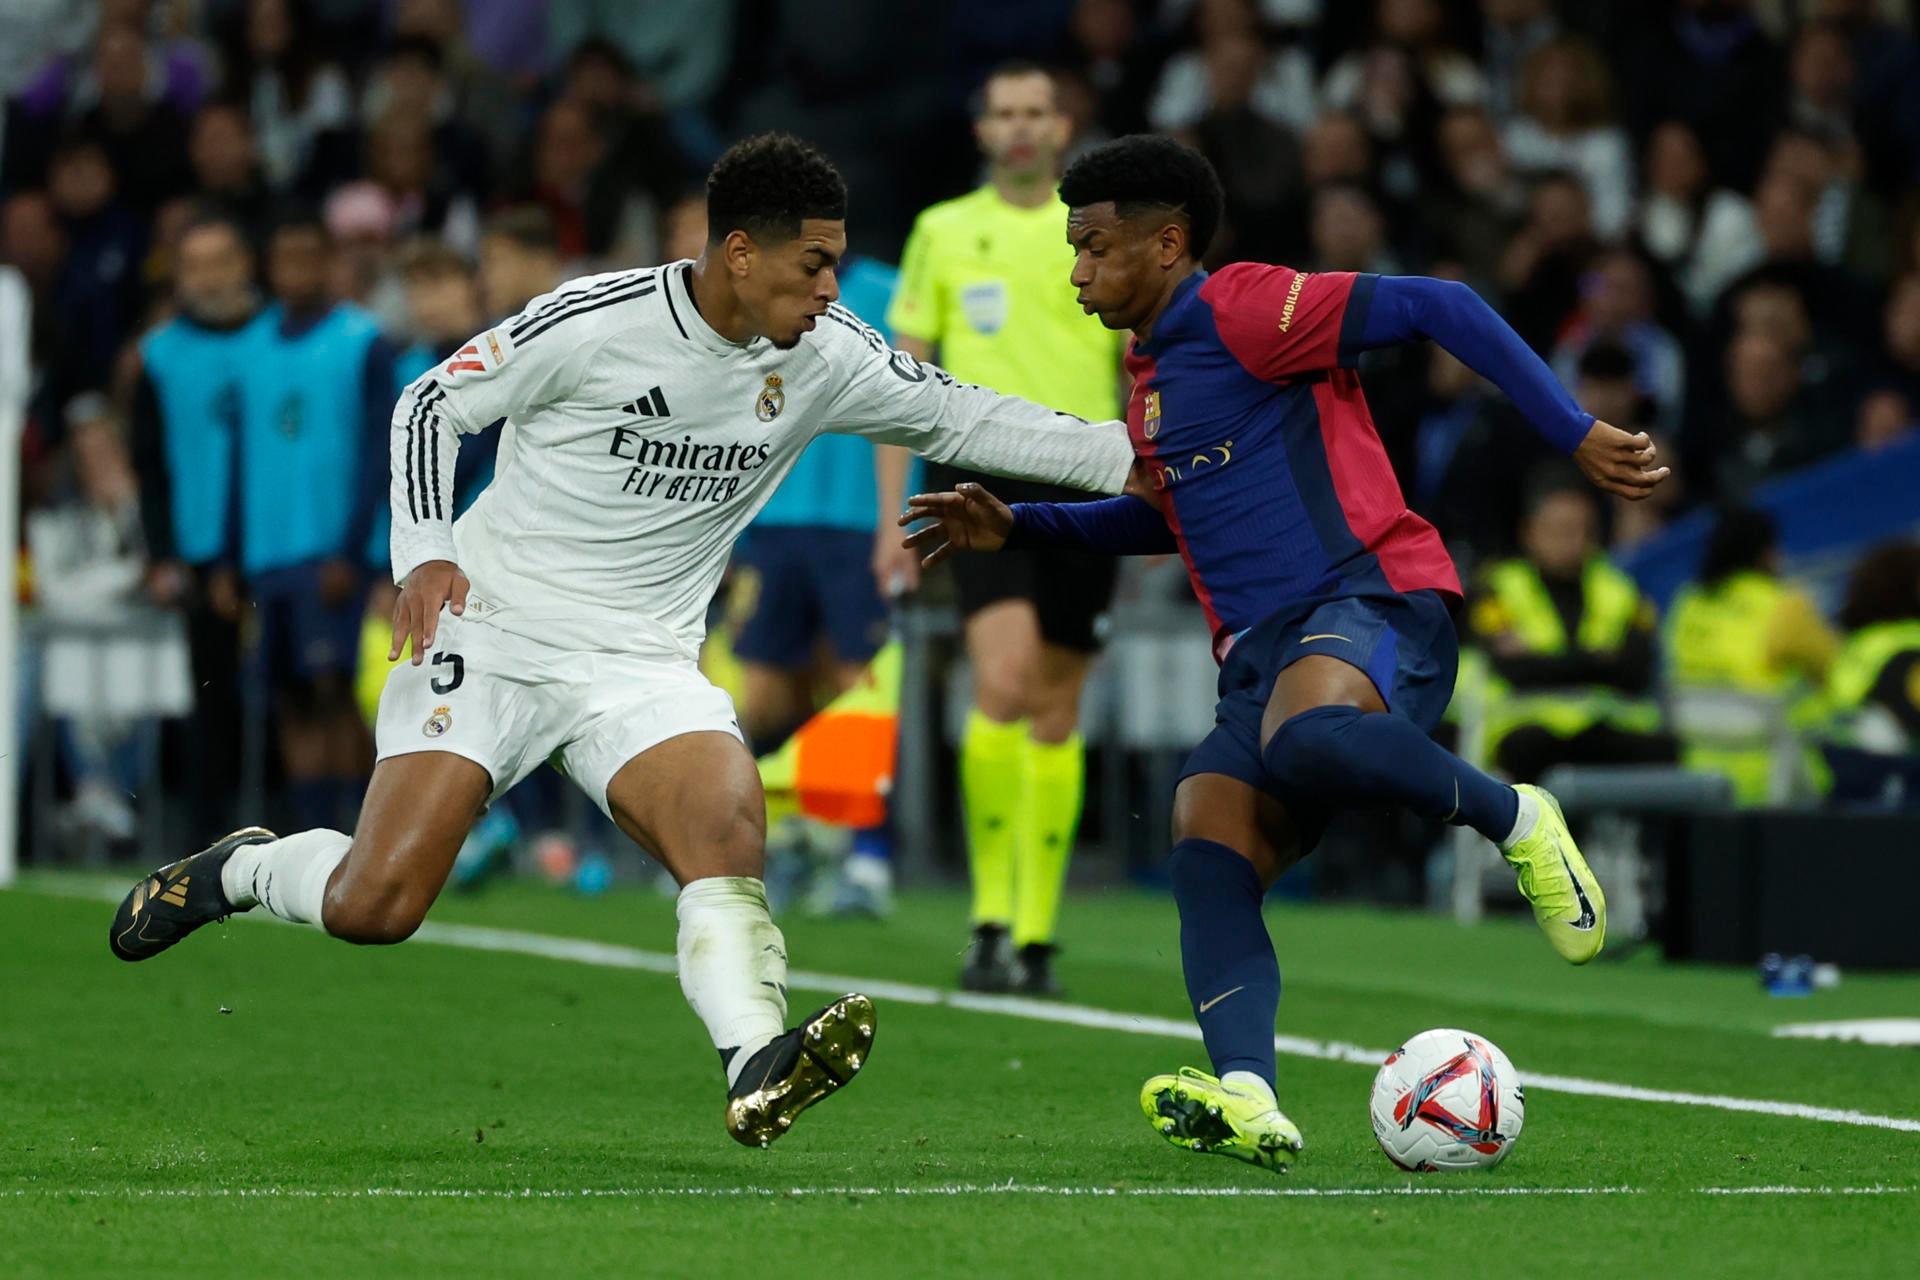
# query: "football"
(1447, 1099)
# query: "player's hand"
(416, 614)
(338, 581)
(967, 519)
(1620, 463)
(896, 570)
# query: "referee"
(984, 292)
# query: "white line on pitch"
(614, 956)
(950, 1189)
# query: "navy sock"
(1233, 977)
(1388, 757)
(312, 802)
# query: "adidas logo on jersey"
(651, 405)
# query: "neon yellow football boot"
(1202, 1113)
(1567, 902)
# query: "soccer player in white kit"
(649, 415)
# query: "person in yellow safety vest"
(1741, 627)
(1569, 641)
(1873, 687)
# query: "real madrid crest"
(771, 400)
(1150, 424)
(439, 722)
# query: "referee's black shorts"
(1068, 589)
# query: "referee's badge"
(771, 401)
(985, 306)
(1150, 424)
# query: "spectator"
(683, 227)
(681, 49)
(1708, 63)
(1899, 375)
(1566, 122)
(1337, 149)
(33, 241)
(410, 83)
(1348, 232)
(1513, 30)
(1279, 83)
(274, 65)
(1704, 235)
(1114, 62)
(1873, 692)
(314, 404)
(1258, 160)
(1617, 306)
(1886, 88)
(519, 259)
(186, 408)
(1434, 68)
(1820, 73)
(226, 165)
(1743, 628)
(1541, 270)
(1771, 430)
(1476, 205)
(97, 301)
(643, 160)
(1570, 642)
(90, 552)
(1606, 384)
(363, 220)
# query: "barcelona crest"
(1150, 426)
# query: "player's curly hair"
(1148, 173)
(767, 185)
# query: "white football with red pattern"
(1447, 1099)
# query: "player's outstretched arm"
(972, 519)
(1411, 308)
(891, 397)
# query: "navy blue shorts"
(807, 581)
(1405, 643)
(301, 637)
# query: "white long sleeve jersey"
(639, 443)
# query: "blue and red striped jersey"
(1248, 412)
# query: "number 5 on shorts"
(449, 683)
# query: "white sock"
(1523, 821)
(733, 965)
(287, 876)
(1252, 1083)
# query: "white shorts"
(508, 703)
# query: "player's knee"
(374, 915)
(1306, 749)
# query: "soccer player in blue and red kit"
(1330, 603)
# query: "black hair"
(1549, 480)
(1148, 173)
(298, 216)
(213, 214)
(1607, 362)
(528, 225)
(599, 49)
(769, 184)
(1740, 540)
(1885, 587)
(1007, 70)
(416, 48)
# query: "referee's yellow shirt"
(988, 283)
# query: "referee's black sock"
(1388, 757)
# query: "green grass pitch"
(265, 1101)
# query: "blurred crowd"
(1704, 213)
